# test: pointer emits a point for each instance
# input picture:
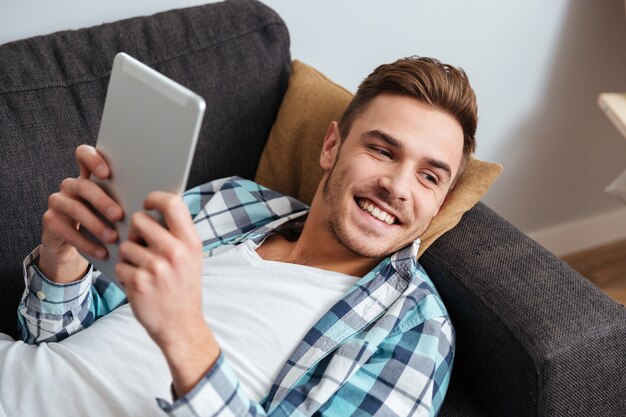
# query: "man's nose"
(398, 183)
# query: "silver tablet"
(148, 135)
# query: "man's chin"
(359, 248)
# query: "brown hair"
(427, 80)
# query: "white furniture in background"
(614, 105)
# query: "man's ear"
(330, 148)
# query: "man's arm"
(71, 206)
(50, 312)
(218, 393)
(160, 270)
(61, 295)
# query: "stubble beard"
(336, 223)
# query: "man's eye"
(430, 178)
(382, 152)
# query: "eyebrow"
(391, 141)
(435, 163)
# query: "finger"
(175, 212)
(84, 189)
(144, 228)
(131, 278)
(135, 254)
(141, 257)
(74, 202)
(77, 212)
(91, 161)
(63, 228)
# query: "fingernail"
(101, 253)
(108, 235)
(100, 170)
(112, 213)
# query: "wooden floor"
(604, 266)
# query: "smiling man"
(396, 164)
(264, 307)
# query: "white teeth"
(376, 212)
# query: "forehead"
(420, 127)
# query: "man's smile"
(375, 211)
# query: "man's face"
(390, 176)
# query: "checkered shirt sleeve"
(50, 312)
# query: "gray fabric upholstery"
(52, 89)
(533, 337)
(458, 404)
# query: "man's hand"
(160, 269)
(69, 207)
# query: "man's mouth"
(375, 211)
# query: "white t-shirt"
(113, 368)
(260, 310)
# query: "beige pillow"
(290, 161)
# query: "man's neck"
(309, 250)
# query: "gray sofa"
(534, 338)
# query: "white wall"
(537, 68)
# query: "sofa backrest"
(235, 54)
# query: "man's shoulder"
(421, 302)
(228, 209)
(236, 192)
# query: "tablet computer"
(147, 135)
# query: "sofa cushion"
(52, 89)
(290, 161)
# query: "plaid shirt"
(385, 349)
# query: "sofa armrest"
(534, 337)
